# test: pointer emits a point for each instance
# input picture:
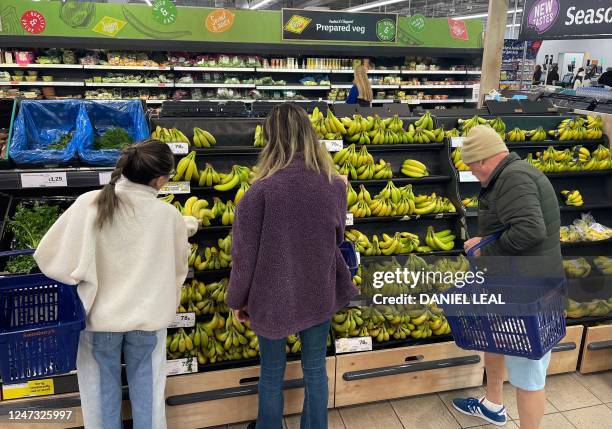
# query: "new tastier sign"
(339, 26)
(566, 19)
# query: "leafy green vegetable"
(61, 142)
(113, 138)
(28, 226)
(76, 13)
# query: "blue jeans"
(99, 374)
(273, 361)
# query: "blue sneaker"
(473, 407)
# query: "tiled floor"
(574, 401)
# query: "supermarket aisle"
(574, 401)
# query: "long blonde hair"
(363, 83)
(288, 131)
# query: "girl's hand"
(242, 315)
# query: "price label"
(467, 176)
(183, 320)
(457, 141)
(333, 145)
(351, 345)
(475, 92)
(105, 177)
(181, 366)
(349, 219)
(176, 188)
(31, 388)
(162, 85)
(179, 148)
(358, 255)
(44, 180)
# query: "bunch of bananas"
(225, 244)
(197, 208)
(202, 138)
(414, 168)
(428, 204)
(357, 129)
(517, 135)
(457, 161)
(602, 153)
(212, 259)
(470, 202)
(180, 344)
(218, 207)
(425, 122)
(244, 186)
(227, 218)
(453, 132)
(394, 124)
(259, 140)
(169, 135)
(440, 241)
(594, 308)
(398, 243)
(499, 126)
(168, 198)
(423, 135)
(209, 176)
(327, 127)
(570, 129)
(603, 264)
(192, 255)
(569, 234)
(594, 127)
(448, 265)
(576, 268)
(536, 135)
(572, 197)
(465, 125)
(186, 169)
(235, 177)
(579, 158)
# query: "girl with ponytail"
(127, 253)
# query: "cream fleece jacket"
(129, 274)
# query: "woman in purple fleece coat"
(288, 274)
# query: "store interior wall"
(600, 49)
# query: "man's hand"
(242, 315)
(471, 243)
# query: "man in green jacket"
(517, 200)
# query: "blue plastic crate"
(41, 320)
(529, 324)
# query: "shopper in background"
(553, 75)
(105, 243)
(606, 78)
(361, 91)
(519, 200)
(537, 75)
(578, 79)
(288, 274)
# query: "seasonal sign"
(339, 26)
(566, 19)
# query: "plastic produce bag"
(104, 115)
(40, 123)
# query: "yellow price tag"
(31, 388)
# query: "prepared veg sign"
(316, 25)
(561, 19)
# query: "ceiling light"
(482, 15)
(148, 2)
(373, 5)
(260, 4)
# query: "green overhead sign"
(165, 21)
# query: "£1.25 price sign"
(44, 180)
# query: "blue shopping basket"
(41, 320)
(350, 256)
(528, 325)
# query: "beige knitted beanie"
(481, 143)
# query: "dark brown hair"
(288, 131)
(140, 163)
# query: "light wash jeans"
(273, 362)
(99, 374)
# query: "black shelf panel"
(590, 173)
(76, 177)
(402, 180)
(586, 243)
(405, 218)
(210, 273)
(588, 320)
(225, 150)
(214, 228)
(378, 258)
(587, 207)
(556, 143)
(375, 148)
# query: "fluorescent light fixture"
(372, 5)
(482, 15)
(259, 4)
(513, 25)
(148, 2)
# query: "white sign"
(44, 180)
(179, 148)
(467, 176)
(358, 257)
(475, 92)
(176, 188)
(183, 320)
(457, 141)
(349, 219)
(333, 145)
(105, 177)
(181, 366)
(350, 345)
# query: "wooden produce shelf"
(415, 370)
(597, 350)
(229, 396)
(564, 357)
